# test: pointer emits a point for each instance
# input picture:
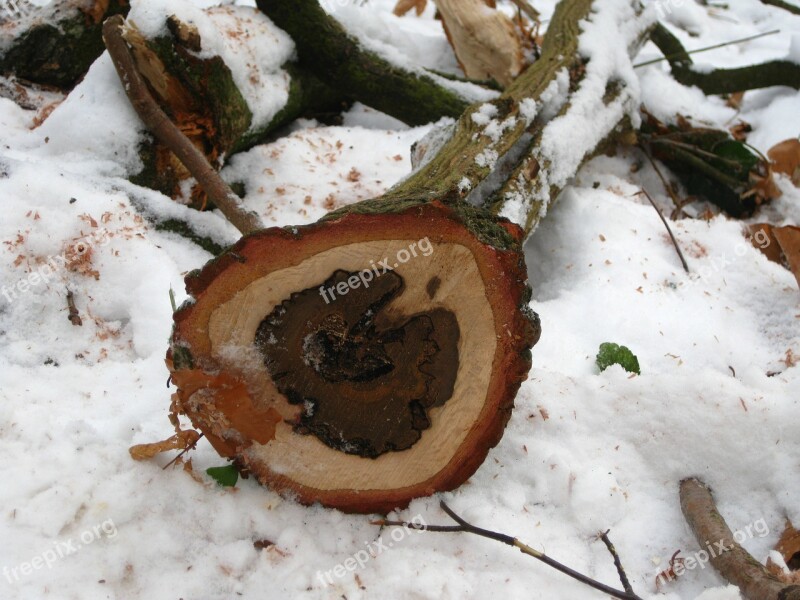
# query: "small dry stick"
(663, 220)
(623, 577)
(733, 562)
(707, 48)
(464, 527)
(182, 452)
(74, 316)
(168, 133)
(667, 187)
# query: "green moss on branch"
(326, 49)
(723, 81)
(60, 51)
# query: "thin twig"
(663, 220)
(182, 452)
(168, 133)
(667, 187)
(623, 577)
(74, 316)
(706, 48)
(465, 527)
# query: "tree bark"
(374, 356)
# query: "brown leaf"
(789, 546)
(761, 237)
(778, 244)
(740, 130)
(403, 6)
(179, 441)
(785, 157)
(789, 240)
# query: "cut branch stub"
(387, 346)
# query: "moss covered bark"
(59, 51)
(723, 81)
(326, 49)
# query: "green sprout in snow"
(614, 354)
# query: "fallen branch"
(784, 5)
(723, 81)
(326, 49)
(168, 133)
(733, 562)
(465, 527)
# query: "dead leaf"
(179, 441)
(403, 6)
(789, 547)
(761, 237)
(789, 240)
(785, 157)
(778, 244)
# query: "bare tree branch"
(723, 81)
(465, 527)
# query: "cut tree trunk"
(55, 44)
(359, 362)
(373, 357)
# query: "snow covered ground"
(584, 451)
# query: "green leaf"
(737, 151)
(225, 476)
(614, 354)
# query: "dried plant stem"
(669, 230)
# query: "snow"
(584, 451)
